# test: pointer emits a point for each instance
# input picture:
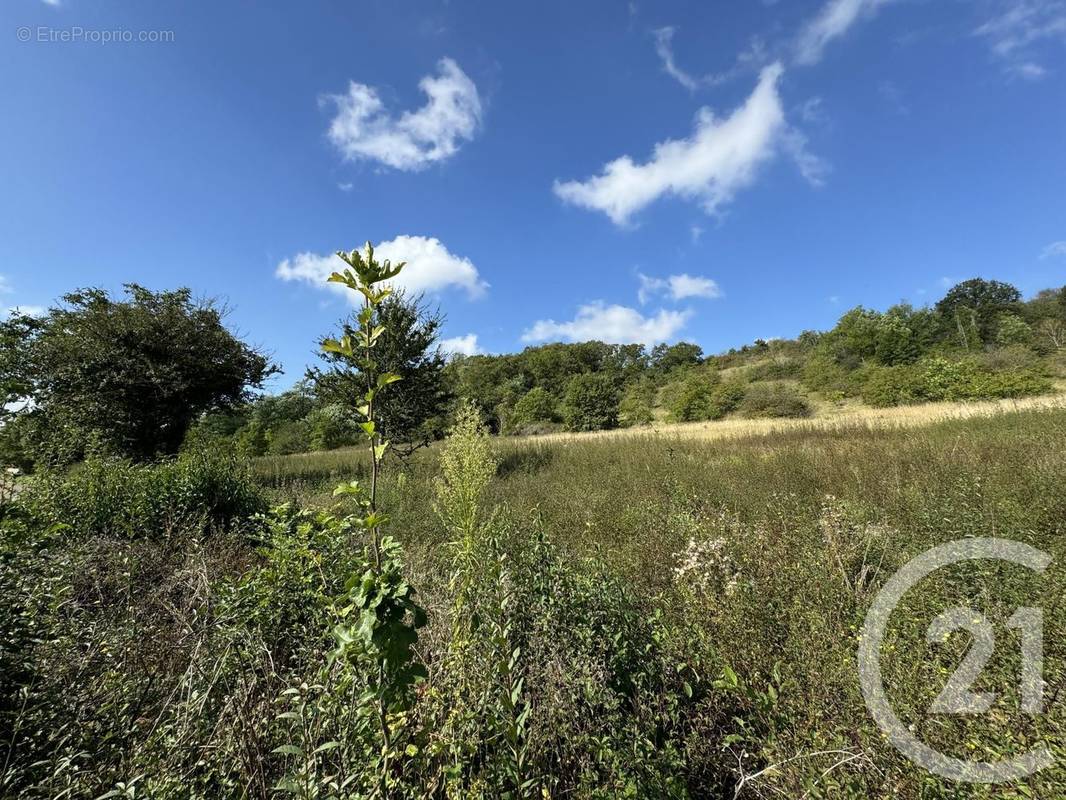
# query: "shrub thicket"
(774, 400)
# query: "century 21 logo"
(957, 697)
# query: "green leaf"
(379, 450)
(385, 378)
(288, 750)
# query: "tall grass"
(643, 616)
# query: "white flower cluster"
(705, 566)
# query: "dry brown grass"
(828, 417)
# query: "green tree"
(130, 376)
(666, 358)
(635, 407)
(536, 405)
(591, 403)
(971, 309)
(408, 346)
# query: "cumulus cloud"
(1054, 250)
(430, 268)
(1018, 28)
(677, 287)
(364, 129)
(832, 22)
(612, 324)
(720, 158)
(462, 345)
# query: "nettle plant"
(377, 615)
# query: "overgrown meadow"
(643, 617)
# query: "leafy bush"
(199, 492)
(635, 407)
(536, 405)
(776, 370)
(700, 398)
(591, 403)
(288, 438)
(938, 379)
(332, 427)
(774, 400)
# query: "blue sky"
(630, 171)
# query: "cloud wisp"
(664, 48)
(1053, 250)
(721, 157)
(832, 22)
(363, 129)
(1015, 32)
(430, 268)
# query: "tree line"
(145, 374)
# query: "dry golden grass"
(827, 418)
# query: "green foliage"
(667, 358)
(332, 427)
(129, 377)
(774, 400)
(536, 405)
(701, 397)
(591, 403)
(377, 616)
(407, 345)
(635, 407)
(971, 309)
(939, 379)
(1012, 329)
(111, 498)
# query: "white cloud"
(364, 129)
(430, 268)
(677, 287)
(1018, 28)
(612, 324)
(813, 168)
(720, 158)
(50, 2)
(462, 345)
(832, 22)
(1053, 250)
(5, 285)
(664, 38)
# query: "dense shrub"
(331, 427)
(591, 403)
(635, 407)
(776, 370)
(938, 379)
(699, 398)
(115, 498)
(774, 400)
(536, 405)
(691, 399)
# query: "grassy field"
(651, 614)
(767, 540)
(828, 417)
